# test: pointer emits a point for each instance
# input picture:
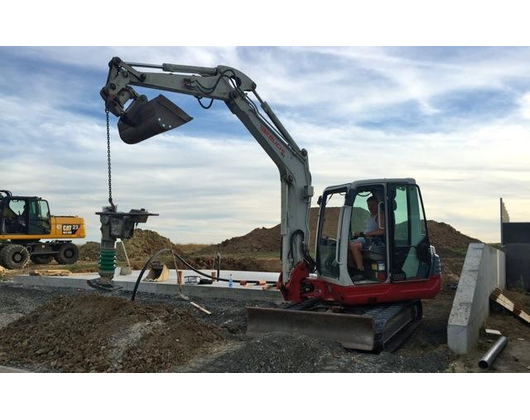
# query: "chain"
(108, 160)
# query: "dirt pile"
(89, 251)
(259, 249)
(259, 240)
(105, 334)
(244, 263)
(450, 244)
(447, 239)
(140, 247)
(443, 236)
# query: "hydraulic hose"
(139, 279)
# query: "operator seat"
(375, 252)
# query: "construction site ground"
(52, 329)
(48, 329)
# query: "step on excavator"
(367, 296)
(25, 222)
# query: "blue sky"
(456, 119)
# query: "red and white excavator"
(328, 299)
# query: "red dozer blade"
(374, 328)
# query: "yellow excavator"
(25, 222)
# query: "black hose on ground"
(195, 270)
(139, 279)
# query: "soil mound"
(105, 334)
(141, 246)
(447, 239)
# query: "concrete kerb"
(200, 291)
(483, 271)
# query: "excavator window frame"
(14, 217)
(40, 220)
(326, 195)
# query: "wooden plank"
(52, 273)
(515, 308)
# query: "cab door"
(328, 243)
(39, 217)
(410, 252)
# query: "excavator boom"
(141, 119)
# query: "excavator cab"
(402, 254)
(24, 216)
(379, 309)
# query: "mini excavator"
(325, 297)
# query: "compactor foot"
(105, 287)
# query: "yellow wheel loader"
(25, 222)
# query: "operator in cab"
(373, 234)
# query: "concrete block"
(483, 271)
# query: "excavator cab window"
(411, 256)
(328, 228)
(13, 216)
(39, 217)
(24, 216)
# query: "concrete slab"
(483, 271)
(170, 287)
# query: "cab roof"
(376, 181)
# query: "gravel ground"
(425, 351)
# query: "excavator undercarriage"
(374, 328)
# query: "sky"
(456, 119)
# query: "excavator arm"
(140, 119)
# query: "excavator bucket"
(375, 328)
(145, 119)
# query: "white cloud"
(524, 103)
(212, 184)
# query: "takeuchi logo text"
(273, 140)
